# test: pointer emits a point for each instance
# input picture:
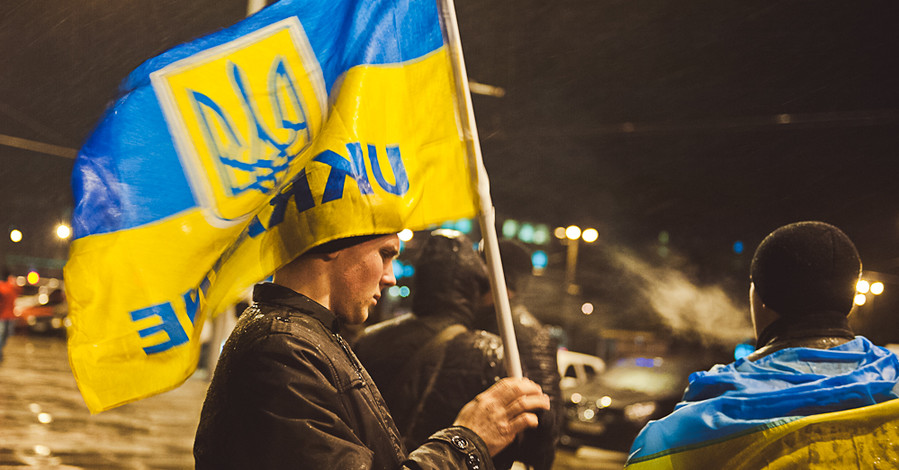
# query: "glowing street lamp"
(15, 235)
(571, 236)
(63, 231)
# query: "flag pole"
(486, 212)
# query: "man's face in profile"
(360, 273)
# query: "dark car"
(610, 410)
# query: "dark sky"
(713, 121)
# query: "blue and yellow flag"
(795, 408)
(226, 157)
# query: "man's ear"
(331, 256)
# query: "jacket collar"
(276, 294)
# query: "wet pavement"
(44, 423)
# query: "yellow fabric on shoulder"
(865, 437)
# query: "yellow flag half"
(226, 157)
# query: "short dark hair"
(806, 267)
(341, 243)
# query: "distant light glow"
(559, 233)
(541, 234)
(573, 232)
(860, 299)
(15, 235)
(393, 291)
(664, 237)
(45, 418)
(510, 228)
(405, 291)
(43, 299)
(644, 362)
(862, 287)
(742, 350)
(526, 233)
(588, 414)
(738, 247)
(464, 225)
(576, 397)
(590, 235)
(877, 288)
(604, 401)
(539, 259)
(587, 308)
(406, 235)
(42, 450)
(63, 231)
(33, 277)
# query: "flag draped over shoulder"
(226, 157)
(796, 408)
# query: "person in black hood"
(537, 348)
(437, 360)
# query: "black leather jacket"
(288, 392)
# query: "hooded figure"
(429, 363)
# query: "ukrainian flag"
(799, 408)
(226, 157)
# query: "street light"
(63, 231)
(15, 235)
(571, 236)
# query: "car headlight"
(639, 412)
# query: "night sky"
(712, 121)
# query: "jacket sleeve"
(453, 447)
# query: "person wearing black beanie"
(806, 397)
(803, 277)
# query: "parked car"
(610, 410)
(42, 309)
(577, 368)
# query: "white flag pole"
(487, 216)
(255, 5)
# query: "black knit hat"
(806, 267)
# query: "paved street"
(44, 423)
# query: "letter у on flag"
(226, 157)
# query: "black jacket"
(289, 393)
(450, 279)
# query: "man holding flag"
(296, 142)
(289, 392)
(813, 395)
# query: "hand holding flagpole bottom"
(501, 412)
